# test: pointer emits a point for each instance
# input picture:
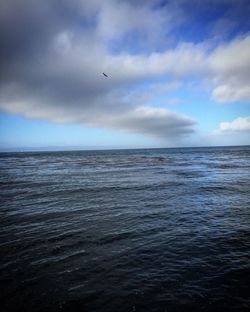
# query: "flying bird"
(105, 75)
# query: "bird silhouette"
(105, 75)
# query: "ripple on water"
(135, 230)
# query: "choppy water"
(132, 230)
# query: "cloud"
(53, 55)
(230, 69)
(237, 125)
(231, 93)
(155, 121)
(60, 78)
(174, 101)
(108, 112)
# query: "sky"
(178, 73)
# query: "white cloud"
(237, 125)
(231, 93)
(230, 71)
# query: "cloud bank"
(54, 54)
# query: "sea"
(156, 230)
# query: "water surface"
(128, 230)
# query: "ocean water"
(125, 230)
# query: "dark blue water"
(129, 230)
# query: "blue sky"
(178, 74)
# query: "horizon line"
(83, 149)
